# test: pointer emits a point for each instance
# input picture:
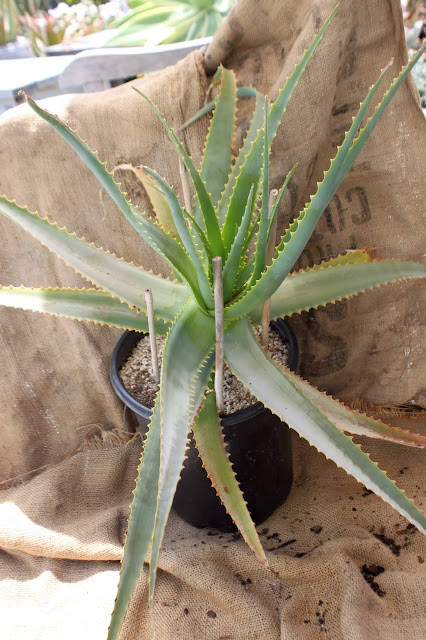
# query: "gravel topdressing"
(140, 383)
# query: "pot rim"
(129, 339)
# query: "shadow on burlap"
(62, 529)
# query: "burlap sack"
(62, 536)
(62, 532)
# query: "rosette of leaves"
(43, 30)
(231, 210)
(153, 22)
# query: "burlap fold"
(62, 537)
(343, 564)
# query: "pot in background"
(258, 443)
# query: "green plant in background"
(414, 13)
(43, 30)
(152, 22)
(411, 10)
(231, 207)
(8, 21)
(64, 23)
(32, 6)
(419, 75)
(97, 3)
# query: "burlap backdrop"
(62, 531)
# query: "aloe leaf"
(256, 125)
(157, 198)
(249, 237)
(199, 114)
(262, 236)
(350, 256)
(172, 251)
(253, 164)
(142, 16)
(279, 106)
(248, 175)
(277, 202)
(183, 232)
(163, 243)
(135, 11)
(242, 92)
(90, 305)
(141, 521)
(365, 132)
(217, 156)
(278, 391)
(175, 210)
(210, 220)
(190, 340)
(159, 203)
(195, 29)
(134, 35)
(233, 260)
(212, 449)
(243, 275)
(122, 279)
(90, 158)
(181, 25)
(144, 516)
(299, 232)
(213, 20)
(246, 268)
(354, 421)
(200, 233)
(315, 287)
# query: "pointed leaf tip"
(211, 446)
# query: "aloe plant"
(153, 22)
(43, 30)
(229, 208)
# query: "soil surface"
(137, 377)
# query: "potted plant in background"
(221, 290)
(153, 22)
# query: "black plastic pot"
(258, 443)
